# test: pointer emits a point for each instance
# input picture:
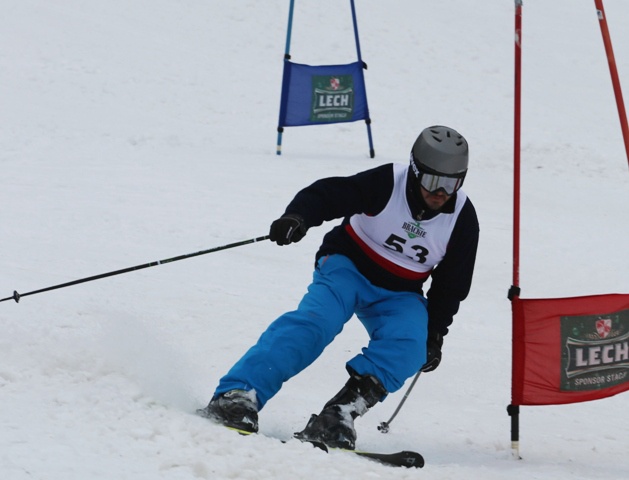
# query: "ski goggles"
(434, 183)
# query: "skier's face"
(435, 201)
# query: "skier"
(401, 224)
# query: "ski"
(404, 458)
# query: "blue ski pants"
(395, 321)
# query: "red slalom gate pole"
(600, 11)
(513, 410)
(517, 121)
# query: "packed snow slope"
(138, 131)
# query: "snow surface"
(138, 131)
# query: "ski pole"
(16, 296)
(384, 426)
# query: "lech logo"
(595, 351)
(332, 98)
(603, 327)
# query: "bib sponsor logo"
(414, 230)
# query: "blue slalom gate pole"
(372, 152)
(289, 32)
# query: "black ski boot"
(334, 426)
(234, 409)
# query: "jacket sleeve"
(338, 197)
(452, 278)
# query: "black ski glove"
(289, 228)
(433, 352)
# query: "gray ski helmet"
(441, 151)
